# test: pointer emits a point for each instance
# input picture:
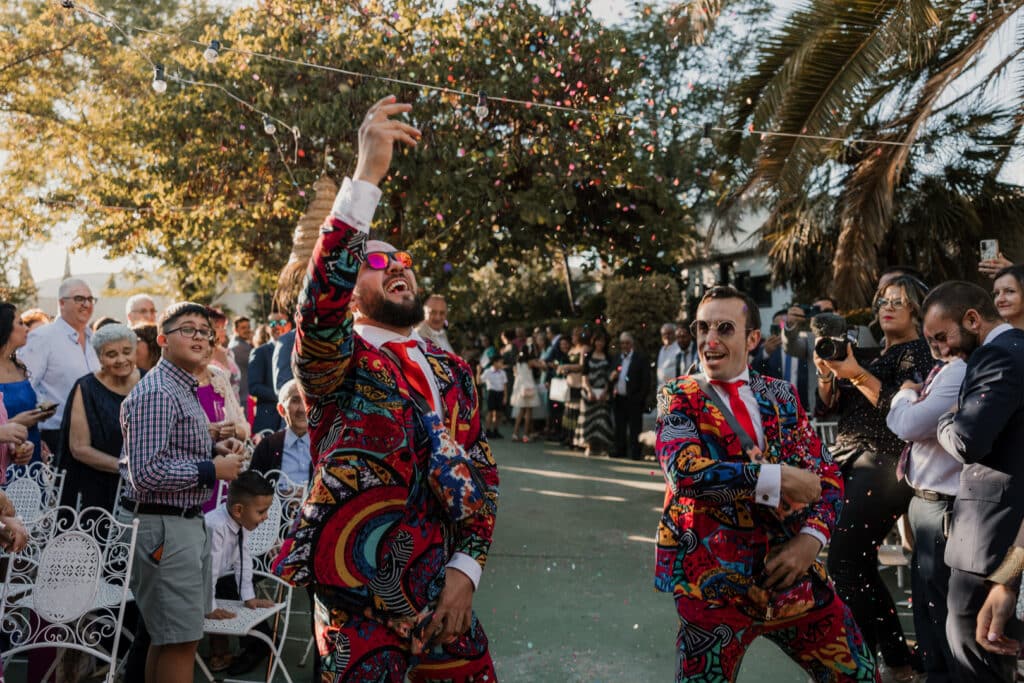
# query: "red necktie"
(412, 370)
(738, 407)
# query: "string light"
(750, 130)
(212, 52)
(159, 84)
(268, 125)
(481, 106)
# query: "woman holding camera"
(859, 395)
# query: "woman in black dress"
(91, 430)
(868, 454)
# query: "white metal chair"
(826, 431)
(263, 543)
(69, 587)
(34, 489)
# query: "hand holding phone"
(989, 249)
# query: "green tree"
(640, 306)
(921, 80)
(213, 192)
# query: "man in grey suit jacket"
(985, 432)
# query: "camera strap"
(745, 441)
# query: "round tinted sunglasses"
(723, 328)
(380, 260)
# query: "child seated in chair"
(227, 528)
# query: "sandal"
(220, 662)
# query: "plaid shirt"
(166, 458)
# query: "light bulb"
(268, 125)
(481, 106)
(705, 139)
(212, 52)
(159, 84)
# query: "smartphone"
(774, 329)
(989, 249)
(46, 406)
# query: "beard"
(968, 343)
(377, 307)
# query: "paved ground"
(568, 595)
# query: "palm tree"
(923, 85)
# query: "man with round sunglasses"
(400, 509)
(752, 497)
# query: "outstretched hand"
(377, 137)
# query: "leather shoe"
(245, 662)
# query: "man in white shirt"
(59, 354)
(665, 366)
(434, 325)
(227, 530)
(934, 475)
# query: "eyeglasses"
(190, 332)
(896, 304)
(79, 299)
(380, 260)
(723, 328)
(278, 323)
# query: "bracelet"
(860, 378)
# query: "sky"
(47, 260)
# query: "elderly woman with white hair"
(91, 429)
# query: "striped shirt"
(166, 458)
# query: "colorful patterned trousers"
(353, 648)
(825, 642)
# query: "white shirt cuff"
(769, 486)
(814, 533)
(356, 203)
(468, 566)
(248, 592)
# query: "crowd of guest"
(895, 389)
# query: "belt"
(933, 496)
(157, 509)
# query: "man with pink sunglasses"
(400, 510)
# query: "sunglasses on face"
(278, 323)
(380, 260)
(723, 328)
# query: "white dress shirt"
(666, 364)
(930, 466)
(56, 360)
(295, 457)
(620, 383)
(768, 491)
(224, 555)
(356, 204)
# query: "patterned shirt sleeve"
(688, 468)
(813, 456)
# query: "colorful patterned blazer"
(713, 538)
(370, 529)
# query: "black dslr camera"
(830, 331)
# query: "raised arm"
(324, 335)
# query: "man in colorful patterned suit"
(395, 529)
(742, 527)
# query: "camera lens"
(826, 349)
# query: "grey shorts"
(172, 592)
